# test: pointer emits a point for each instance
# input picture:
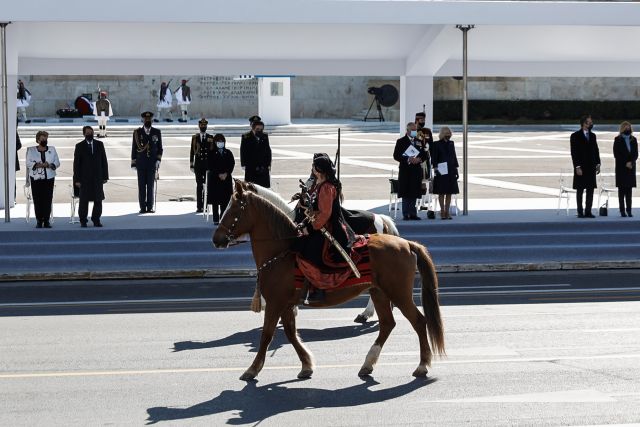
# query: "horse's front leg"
(289, 323)
(271, 316)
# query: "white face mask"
(220, 144)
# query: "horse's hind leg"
(419, 324)
(272, 313)
(386, 322)
(289, 323)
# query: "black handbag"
(603, 211)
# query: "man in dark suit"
(90, 173)
(146, 154)
(409, 171)
(586, 165)
(255, 155)
(201, 147)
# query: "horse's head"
(235, 221)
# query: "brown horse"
(393, 265)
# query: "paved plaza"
(509, 168)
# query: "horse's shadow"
(251, 338)
(254, 404)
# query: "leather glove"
(597, 169)
(192, 170)
(157, 164)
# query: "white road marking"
(568, 396)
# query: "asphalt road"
(524, 364)
(230, 294)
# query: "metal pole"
(338, 156)
(5, 119)
(465, 123)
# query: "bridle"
(229, 230)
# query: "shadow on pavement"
(251, 338)
(254, 404)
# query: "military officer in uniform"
(201, 147)
(102, 110)
(146, 154)
(255, 155)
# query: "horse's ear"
(239, 189)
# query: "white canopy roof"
(316, 37)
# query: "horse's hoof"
(247, 376)
(365, 372)
(361, 319)
(305, 374)
(420, 372)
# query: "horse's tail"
(390, 225)
(430, 300)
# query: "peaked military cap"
(421, 114)
(254, 119)
(203, 121)
(146, 115)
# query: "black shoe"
(405, 218)
(97, 224)
(39, 224)
(182, 120)
(629, 214)
(589, 215)
(216, 222)
(150, 211)
(580, 215)
(168, 120)
(83, 224)
(199, 210)
(47, 224)
(142, 211)
(622, 214)
(317, 295)
(415, 218)
(155, 120)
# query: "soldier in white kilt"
(102, 111)
(165, 100)
(183, 97)
(24, 98)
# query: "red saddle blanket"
(336, 279)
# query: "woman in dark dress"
(220, 188)
(444, 185)
(625, 151)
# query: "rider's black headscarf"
(322, 162)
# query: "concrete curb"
(244, 272)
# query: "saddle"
(336, 279)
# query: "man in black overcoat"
(586, 165)
(90, 173)
(255, 155)
(201, 147)
(625, 151)
(409, 172)
(221, 164)
(146, 154)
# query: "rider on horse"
(321, 208)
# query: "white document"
(411, 151)
(443, 168)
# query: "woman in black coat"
(221, 164)
(444, 151)
(625, 151)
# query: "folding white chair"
(74, 202)
(565, 190)
(606, 186)
(393, 194)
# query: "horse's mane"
(281, 225)
(274, 198)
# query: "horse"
(392, 262)
(379, 224)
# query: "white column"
(415, 91)
(12, 81)
(274, 100)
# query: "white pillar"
(415, 91)
(274, 100)
(12, 80)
